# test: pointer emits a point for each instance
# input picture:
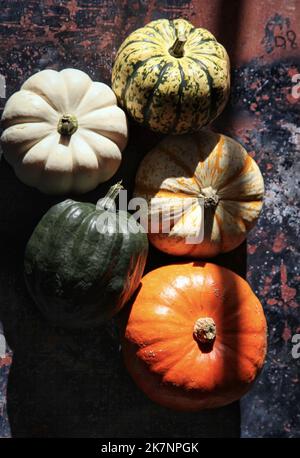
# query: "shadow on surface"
(74, 384)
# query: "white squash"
(203, 180)
(63, 132)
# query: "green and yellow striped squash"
(172, 77)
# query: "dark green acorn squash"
(78, 274)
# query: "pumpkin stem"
(205, 330)
(108, 201)
(177, 49)
(67, 125)
(210, 197)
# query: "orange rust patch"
(279, 243)
(164, 193)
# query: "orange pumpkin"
(204, 181)
(195, 337)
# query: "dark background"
(74, 383)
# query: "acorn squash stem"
(107, 201)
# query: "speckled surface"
(261, 94)
(65, 384)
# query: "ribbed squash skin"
(183, 168)
(42, 155)
(166, 93)
(161, 352)
(77, 276)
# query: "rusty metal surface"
(56, 377)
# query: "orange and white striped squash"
(224, 186)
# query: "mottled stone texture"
(73, 384)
